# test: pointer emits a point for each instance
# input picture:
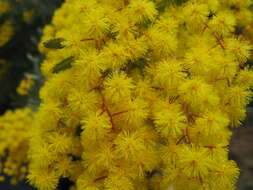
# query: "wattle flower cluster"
(6, 32)
(140, 95)
(25, 85)
(14, 143)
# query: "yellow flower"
(194, 162)
(96, 126)
(6, 32)
(25, 85)
(142, 10)
(28, 16)
(116, 182)
(44, 179)
(118, 86)
(170, 122)
(241, 50)
(223, 23)
(4, 7)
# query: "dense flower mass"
(14, 144)
(140, 95)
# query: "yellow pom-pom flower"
(6, 32)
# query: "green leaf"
(54, 43)
(63, 65)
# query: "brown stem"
(126, 2)
(205, 27)
(187, 135)
(120, 9)
(105, 109)
(87, 39)
(220, 41)
(200, 179)
(119, 113)
(100, 178)
(172, 100)
(100, 82)
(192, 116)
(181, 138)
(96, 87)
(225, 78)
(210, 147)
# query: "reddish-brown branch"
(225, 78)
(110, 115)
(210, 147)
(100, 82)
(126, 2)
(96, 87)
(192, 116)
(87, 39)
(187, 135)
(100, 178)
(119, 113)
(104, 41)
(120, 9)
(200, 179)
(220, 41)
(103, 105)
(181, 138)
(228, 82)
(105, 109)
(172, 100)
(205, 27)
